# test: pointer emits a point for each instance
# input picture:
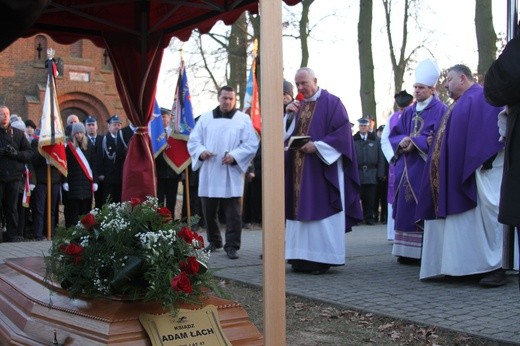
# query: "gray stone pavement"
(372, 281)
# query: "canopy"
(19, 15)
(134, 32)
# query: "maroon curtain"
(136, 66)
(17, 17)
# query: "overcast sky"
(447, 25)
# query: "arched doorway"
(83, 105)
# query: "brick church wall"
(86, 84)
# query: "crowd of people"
(432, 173)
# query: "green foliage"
(133, 250)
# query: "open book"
(296, 142)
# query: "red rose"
(198, 240)
(135, 201)
(73, 250)
(88, 221)
(181, 283)
(192, 238)
(186, 234)
(191, 266)
(165, 213)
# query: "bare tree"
(398, 64)
(237, 56)
(486, 36)
(304, 32)
(299, 27)
(223, 56)
(366, 62)
(223, 60)
(400, 58)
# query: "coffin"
(28, 318)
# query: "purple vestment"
(467, 136)
(409, 166)
(319, 195)
(394, 118)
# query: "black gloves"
(9, 151)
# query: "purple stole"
(312, 187)
(409, 167)
(390, 196)
(466, 137)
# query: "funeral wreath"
(133, 250)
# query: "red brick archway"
(88, 104)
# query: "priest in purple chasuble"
(402, 100)
(409, 143)
(321, 180)
(459, 193)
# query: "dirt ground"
(312, 323)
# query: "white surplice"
(220, 136)
(470, 242)
(322, 240)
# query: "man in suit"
(126, 134)
(371, 167)
(92, 135)
(111, 156)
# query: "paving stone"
(371, 281)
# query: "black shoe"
(319, 272)
(232, 253)
(15, 239)
(408, 261)
(495, 278)
(371, 222)
(211, 248)
(309, 267)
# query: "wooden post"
(49, 199)
(273, 197)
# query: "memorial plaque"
(188, 328)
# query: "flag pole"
(50, 77)
(187, 191)
(50, 144)
(186, 170)
(49, 235)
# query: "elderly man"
(321, 179)
(409, 140)
(71, 119)
(15, 150)
(222, 145)
(459, 195)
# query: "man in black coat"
(371, 167)
(502, 88)
(15, 151)
(110, 159)
(91, 126)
